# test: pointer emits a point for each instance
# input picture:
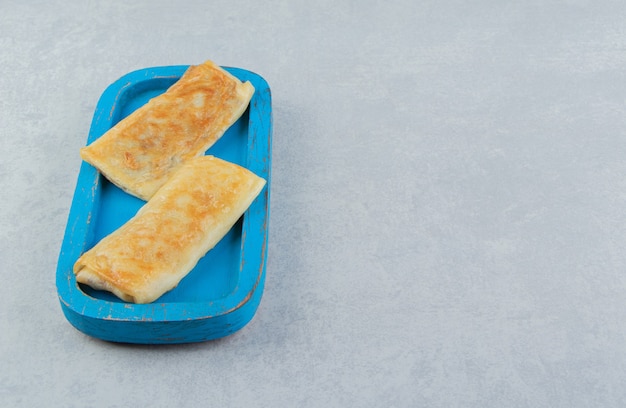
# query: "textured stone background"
(448, 198)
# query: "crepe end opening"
(89, 277)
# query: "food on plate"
(140, 152)
(161, 244)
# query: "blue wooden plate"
(222, 293)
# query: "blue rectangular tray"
(222, 293)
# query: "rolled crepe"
(162, 243)
(140, 152)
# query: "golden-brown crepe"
(162, 243)
(140, 152)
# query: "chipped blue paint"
(222, 293)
